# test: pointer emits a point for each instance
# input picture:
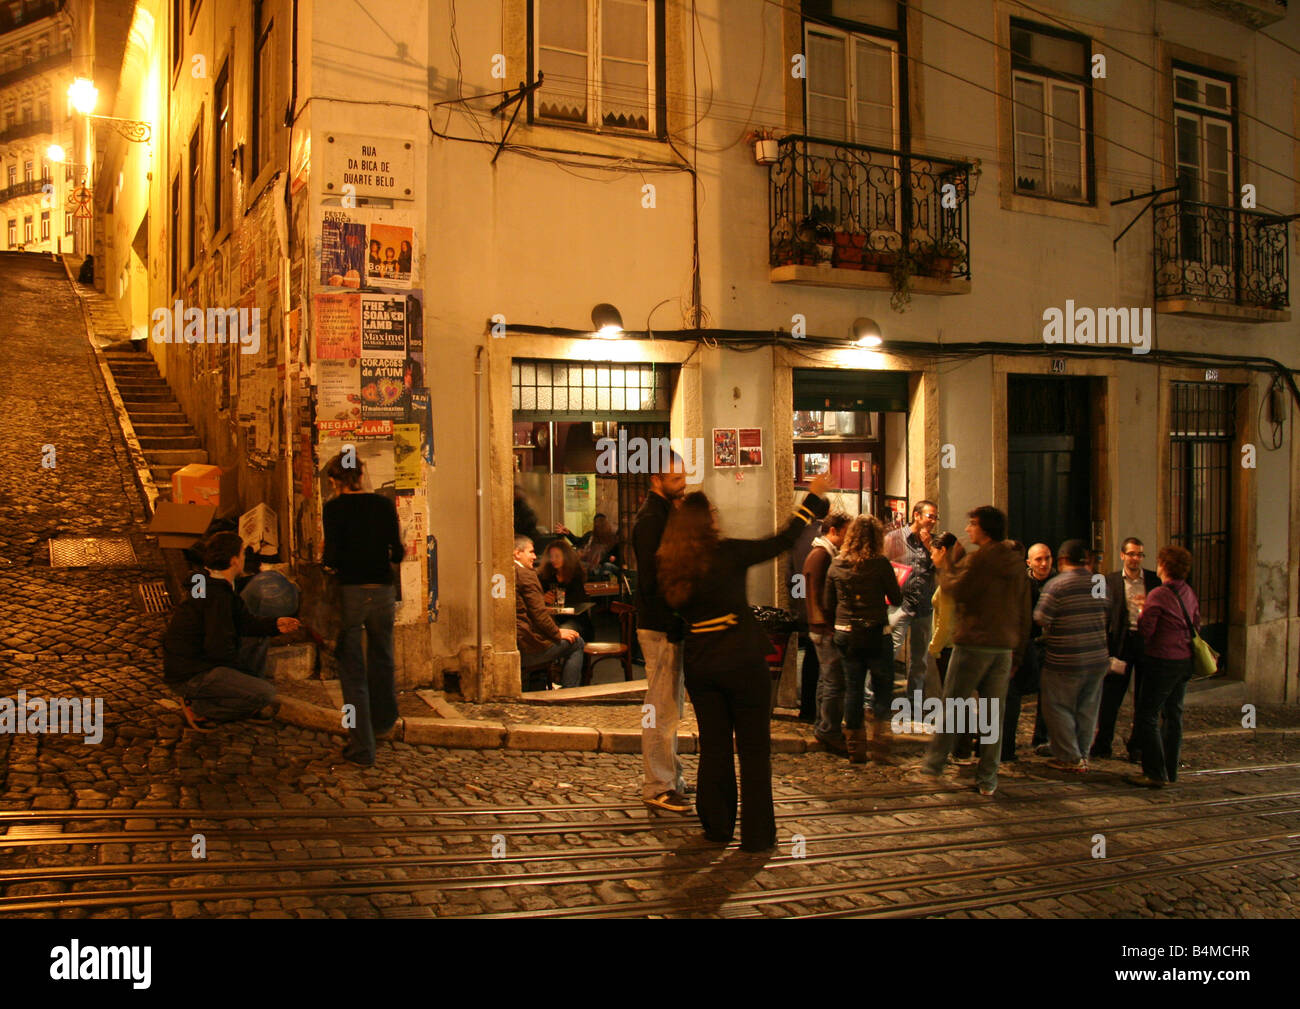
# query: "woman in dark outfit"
(563, 570)
(858, 583)
(702, 576)
(362, 542)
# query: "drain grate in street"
(92, 552)
(152, 597)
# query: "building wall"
(562, 220)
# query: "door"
(1049, 460)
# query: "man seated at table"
(541, 641)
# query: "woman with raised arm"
(702, 576)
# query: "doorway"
(1049, 460)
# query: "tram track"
(1166, 817)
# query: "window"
(853, 81)
(221, 149)
(176, 233)
(43, 110)
(11, 115)
(1204, 125)
(196, 191)
(27, 171)
(13, 232)
(45, 170)
(178, 35)
(13, 176)
(601, 63)
(45, 225)
(27, 228)
(67, 223)
(263, 89)
(1052, 117)
(27, 112)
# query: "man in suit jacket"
(1126, 592)
(541, 641)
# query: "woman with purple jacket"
(1166, 622)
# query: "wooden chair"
(598, 651)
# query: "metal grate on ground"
(152, 597)
(92, 552)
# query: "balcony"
(52, 62)
(839, 214)
(1251, 13)
(25, 12)
(31, 128)
(1221, 262)
(22, 189)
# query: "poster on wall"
(343, 251)
(724, 447)
(375, 456)
(383, 395)
(432, 554)
(751, 446)
(383, 325)
(389, 256)
(419, 414)
(406, 455)
(338, 390)
(336, 323)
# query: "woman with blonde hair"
(860, 582)
(702, 576)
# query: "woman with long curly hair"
(563, 570)
(702, 576)
(858, 584)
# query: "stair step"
(170, 429)
(149, 399)
(168, 442)
(126, 387)
(162, 476)
(175, 456)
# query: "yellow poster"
(406, 455)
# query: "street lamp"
(865, 333)
(606, 322)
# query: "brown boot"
(882, 735)
(857, 743)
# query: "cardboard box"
(201, 484)
(178, 526)
(260, 529)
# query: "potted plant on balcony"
(880, 252)
(940, 259)
(900, 277)
(767, 149)
(820, 222)
(819, 180)
(850, 242)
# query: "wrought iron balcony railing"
(1221, 254)
(51, 62)
(22, 189)
(31, 128)
(864, 208)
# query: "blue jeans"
(830, 687)
(569, 651)
(914, 628)
(1070, 701)
(367, 675)
(862, 650)
(971, 672)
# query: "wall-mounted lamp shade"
(865, 333)
(83, 94)
(606, 321)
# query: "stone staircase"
(165, 434)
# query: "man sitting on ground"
(541, 641)
(214, 649)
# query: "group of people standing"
(1007, 627)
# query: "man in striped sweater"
(1072, 612)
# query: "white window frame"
(593, 56)
(851, 41)
(1049, 139)
(1206, 113)
(27, 229)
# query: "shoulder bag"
(1205, 660)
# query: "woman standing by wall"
(702, 576)
(859, 583)
(362, 542)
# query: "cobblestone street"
(288, 830)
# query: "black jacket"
(739, 644)
(857, 596)
(652, 612)
(204, 633)
(1117, 629)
